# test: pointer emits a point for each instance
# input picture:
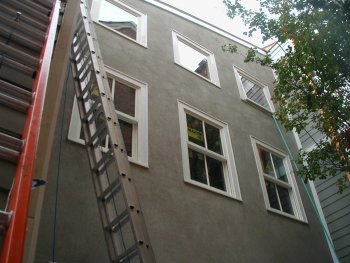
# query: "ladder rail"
(119, 207)
(13, 246)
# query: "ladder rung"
(8, 154)
(20, 38)
(23, 28)
(24, 18)
(95, 109)
(110, 190)
(28, 10)
(45, 3)
(39, 7)
(79, 41)
(103, 163)
(5, 218)
(18, 66)
(80, 28)
(86, 89)
(80, 36)
(86, 73)
(18, 55)
(82, 53)
(127, 254)
(11, 142)
(15, 91)
(14, 103)
(100, 133)
(118, 221)
(85, 66)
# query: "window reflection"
(197, 166)
(216, 174)
(213, 138)
(266, 162)
(254, 92)
(193, 60)
(118, 19)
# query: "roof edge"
(201, 22)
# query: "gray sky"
(214, 12)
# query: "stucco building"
(210, 168)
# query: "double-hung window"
(206, 150)
(279, 187)
(195, 58)
(120, 18)
(253, 91)
(130, 100)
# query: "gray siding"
(336, 209)
(335, 206)
(309, 136)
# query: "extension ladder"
(120, 212)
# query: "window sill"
(257, 106)
(212, 189)
(198, 75)
(137, 163)
(130, 159)
(144, 45)
(286, 215)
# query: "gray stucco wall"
(185, 223)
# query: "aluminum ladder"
(120, 211)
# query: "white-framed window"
(279, 187)
(253, 91)
(131, 103)
(120, 18)
(207, 154)
(195, 58)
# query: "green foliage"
(313, 76)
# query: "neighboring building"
(334, 207)
(212, 174)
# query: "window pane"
(124, 98)
(266, 162)
(118, 19)
(126, 129)
(195, 130)
(254, 92)
(279, 168)
(271, 192)
(216, 174)
(286, 204)
(197, 166)
(213, 138)
(193, 59)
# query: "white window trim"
(231, 178)
(298, 208)
(213, 72)
(141, 35)
(237, 73)
(140, 121)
